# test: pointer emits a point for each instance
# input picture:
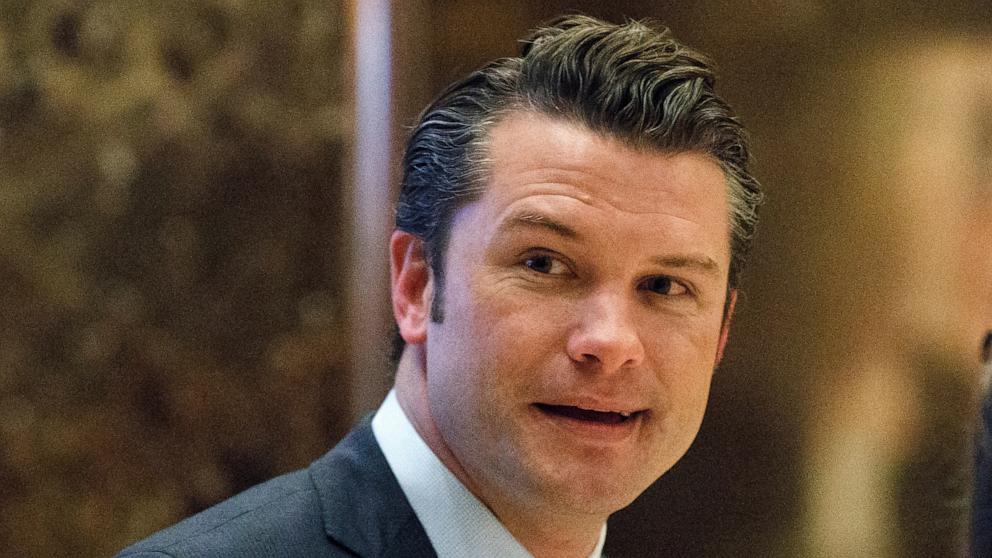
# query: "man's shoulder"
(280, 517)
(347, 503)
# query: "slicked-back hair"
(632, 82)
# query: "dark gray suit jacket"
(347, 503)
(981, 505)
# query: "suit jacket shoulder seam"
(227, 521)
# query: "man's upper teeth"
(624, 414)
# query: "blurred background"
(194, 208)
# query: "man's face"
(583, 317)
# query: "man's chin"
(589, 489)
(600, 501)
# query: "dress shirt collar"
(455, 521)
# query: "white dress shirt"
(455, 521)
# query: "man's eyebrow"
(530, 219)
(699, 262)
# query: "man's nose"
(605, 335)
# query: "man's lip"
(593, 413)
(602, 406)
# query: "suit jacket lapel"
(362, 505)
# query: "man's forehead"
(521, 137)
(532, 154)
(642, 143)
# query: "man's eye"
(545, 264)
(664, 286)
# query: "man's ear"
(725, 327)
(412, 286)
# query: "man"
(570, 232)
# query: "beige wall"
(887, 444)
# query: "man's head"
(589, 209)
(629, 82)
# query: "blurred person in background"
(981, 509)
(570, 234)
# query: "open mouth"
(588, 415)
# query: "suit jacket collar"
(362, 505)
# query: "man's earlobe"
(411, 285)
(725, 326)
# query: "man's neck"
(544, 531)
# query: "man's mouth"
(588, 415)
